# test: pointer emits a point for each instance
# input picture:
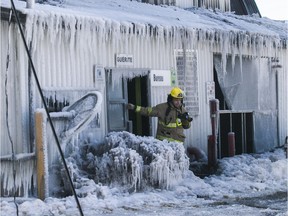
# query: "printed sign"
(174, 81)
(160, 77)
(124, 60)
(98, 73)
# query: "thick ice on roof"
(122, 11)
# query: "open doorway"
(122, 90)
(138, 95)
(240, 121)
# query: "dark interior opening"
(241, 123)
(138, 95)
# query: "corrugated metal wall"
(70, 65)
(283, 97)
(14, 116)
(14, 89)
(201, 127)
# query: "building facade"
(139, 62)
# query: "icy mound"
(130, 161)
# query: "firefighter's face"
(177, 102)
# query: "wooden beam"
(41, 153)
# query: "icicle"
(138, 161)
(24, 174)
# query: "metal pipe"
(18, 157)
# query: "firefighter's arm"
(147, 111)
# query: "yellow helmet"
(177, 93)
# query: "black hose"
(46, 109)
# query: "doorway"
(138, 95)
(239, 121)
(121, 90)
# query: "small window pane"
(116, 91)
(116, 116)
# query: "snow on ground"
(248, 184)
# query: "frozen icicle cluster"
(93, 35)
(24, 172)
(120, 165)
(128, 161)
(140, 161)
(84, 111)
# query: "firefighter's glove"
(185, 116)
(130, 106)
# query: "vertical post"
(214, 107)
(212, 151)
(41, 154)
(231, 144)
(138, 102)
(212, 139)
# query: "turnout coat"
(170, 126)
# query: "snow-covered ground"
(248, 184)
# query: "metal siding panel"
(3, 135)
(282, 97)
(17, 86)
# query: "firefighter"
(172, 116)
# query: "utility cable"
(46, 109)
(7, 114)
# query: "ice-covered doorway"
(138, 94)
(246, 89)
(123, 86)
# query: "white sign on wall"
(98, 73)
(124, 60)
(160, 77)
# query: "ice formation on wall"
(91, 39)
(130, 161)
(84, 111)
(24, 173)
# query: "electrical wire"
(46, 109)
(7, 114)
